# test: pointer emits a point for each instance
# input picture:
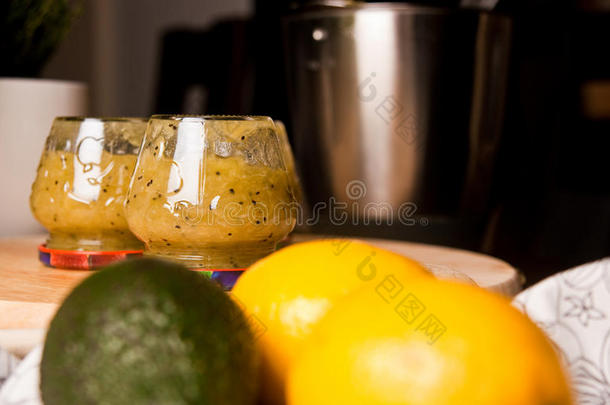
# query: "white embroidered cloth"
(573, 308)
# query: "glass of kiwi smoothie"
(211, 192)
(82, 182)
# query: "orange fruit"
(427, 343)
(286, 294)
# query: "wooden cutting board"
(30, 292)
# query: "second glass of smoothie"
(211, 192)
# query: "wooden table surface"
(30, 292)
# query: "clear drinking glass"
(211, 192)
(82, 182)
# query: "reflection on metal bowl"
(396, 104)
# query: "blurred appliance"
(238, 68)
(396, 114)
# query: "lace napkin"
(22, 386)
(573, 308)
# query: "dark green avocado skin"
(148, 332)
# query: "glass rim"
(103, 119)
(219, 117)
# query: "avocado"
(148, 332)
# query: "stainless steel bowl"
(396, 104)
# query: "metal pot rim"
(399, 8)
